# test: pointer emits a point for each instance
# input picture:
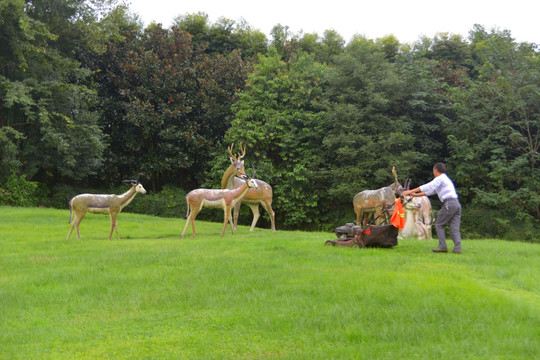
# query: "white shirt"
(442, 186)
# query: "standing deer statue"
(369, 202)
(418, 217)
(224, 199)
(102, 204)
(261, 195)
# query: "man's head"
(438, 169)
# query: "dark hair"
(440, 167)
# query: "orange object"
(398, 217)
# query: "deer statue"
(102, 204)
(224, 199)
(262, 195)
(418, 217)
(369, 202)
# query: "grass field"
(260, 295)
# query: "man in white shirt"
(450, 212)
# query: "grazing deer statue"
(368, 202)
(102, 204)
(216, 198)
(262, 195)
(418, 217)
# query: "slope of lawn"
(259, 295)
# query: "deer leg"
(267, 205)
(190, 219)
(226, 215)
(113, 225)
(272, 214)
(231, 221)
(193, 216)
(69, 232)
(77, 222)
(418, 226)
(425, 227)
(358, 217)
(71, 226)
(378, 212)
(77, 226)
(236, 213)
(116, 227)
(256, 215)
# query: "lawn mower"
(353, 235)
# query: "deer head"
(406, 186)
(137, 184)
(237, 161)
(251, 180)
(409, 203)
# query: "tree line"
(89, 96)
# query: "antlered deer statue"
(261, 195)
(369, 202)
(102, 204)
(418, 217)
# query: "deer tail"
(70, 212)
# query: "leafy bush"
(478, 221)
(20, 192)
(170, 202)
(61, 194)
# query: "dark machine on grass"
(384, 235)
(357, 236)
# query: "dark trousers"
(449, 214)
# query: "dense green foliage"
(48, 116)
(89, 97)
(167, 104)
(259, 295)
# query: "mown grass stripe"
(255, 295)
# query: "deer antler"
(135, 182)
(239, 156)
(395, 173)
(230, 150)
(243, 149)
(406, 185)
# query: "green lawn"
(260, 295)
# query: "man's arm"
(414, 192)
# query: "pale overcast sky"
(407, 20)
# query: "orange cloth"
(398, 217)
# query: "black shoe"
(439, 250)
